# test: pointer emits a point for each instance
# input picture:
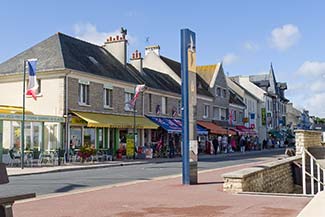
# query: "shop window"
(83, 94)
(100, 138)
(75, 137)
(51, 136)
(108, 98)
(89, 136)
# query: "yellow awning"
(4, 109)
(115, 121)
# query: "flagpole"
(134, 107)
(23, 122)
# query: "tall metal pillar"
(188, 70)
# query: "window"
(240, 116)
(216, 113)
(224, 93)
(218, 91)
(223, 114)
(179, 107)
(234, 115)
(206, 111)
(150, 102)
(89, 136)
(164, 105)
(38, 91)
(84, 93)
(108, 97)
(128, 96)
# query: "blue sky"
(246, 35)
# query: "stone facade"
(306, 139)
(274, 177)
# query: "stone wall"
(273, 177)
(306, 139)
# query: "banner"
(263, 112)
(130, 146)
(32, 81)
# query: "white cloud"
(229, 59)
(285, 37)
(312, 68)
(251, 46)
(308, 90)
(88, 32)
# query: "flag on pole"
(138, 89)
(32, 81)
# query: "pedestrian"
(171, 148)
(264, 144)
(233, 144)
(225, 143)
(219, 144)
(215, 145)
(242, 143)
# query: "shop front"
(42, 132)
(169, 133)
(109, 132)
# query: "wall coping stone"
(243, 173)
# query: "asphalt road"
(60, 182)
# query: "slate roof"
(61, 51)
(48, 53)
(260, 80)
(207, 72)
(155, 79)
(234, 99)
(202, 86)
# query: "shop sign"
(77, 120)
(129, 145)
(245, 120)
(36, 118)
(263, 112)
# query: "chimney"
(117, 46)
(136, 61)
(154, 48)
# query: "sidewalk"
(162, 197)
(17, 171)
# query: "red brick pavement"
(166, 197)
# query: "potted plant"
(86, 151)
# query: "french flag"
(32, 82)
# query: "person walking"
(242, 144)
(171, 148)
(225, 143)
(215, 145)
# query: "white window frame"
(108, 104)
(213, 115)
(164, 105)
(83, 95)
(206, 111)
(127, 97)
